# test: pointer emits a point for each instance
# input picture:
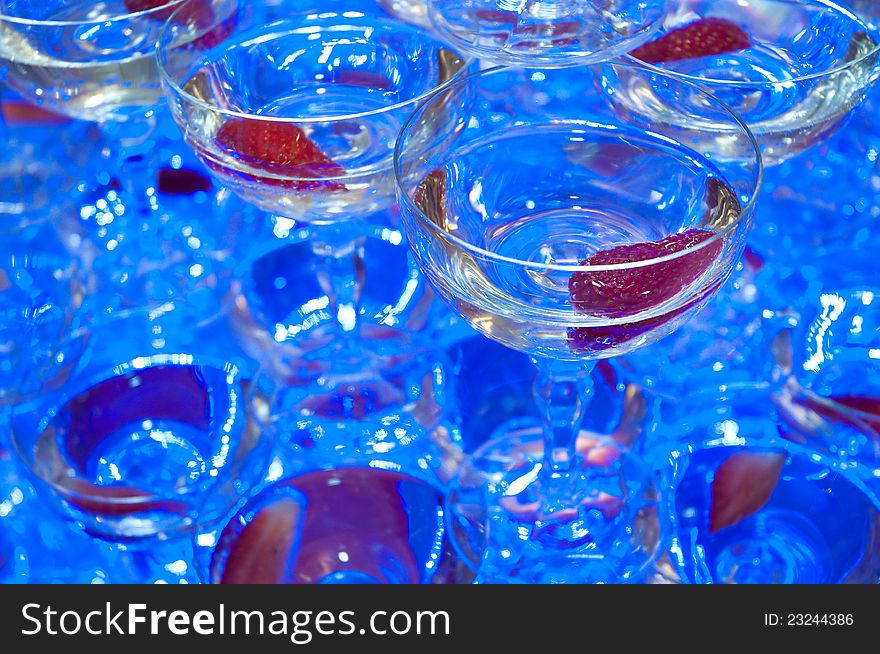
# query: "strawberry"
(162, 392)
(857, 411)
(261, 552)
(18, 112)
(753, 260)
(867, 407)
(595, 339)
(743, 484)
(115, 501)
(722, 205)
(702, 38)
(609, 506)
(137, 6)
(363, 512)
(299, 537)
(860, 44)
(195, 13)
(620, 293)
(182, 181)
(430, 197)
(282, 149)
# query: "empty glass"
(750, 504)
(830, 390)
(343, 525)
(138, 417)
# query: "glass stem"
(340, 252)
(562, 392)
(133, 156)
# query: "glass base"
(595, 523)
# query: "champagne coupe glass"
(39, 300)
(553, 33)
(752, 501)
(93, 61)
(830, 383)
(340, 525)
(572, 234)
(793, 69)
(139, 417)
(297, 113)
(96, 61)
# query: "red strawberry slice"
(261, 553)
(18, 112)
(281, 149)
(115, 501)
(159, 393)
(702, 38)
(609, 506)
(182, 181)
(137, 6)
(620, 293)
(753, 260)
(595, 339)
(430, 197)
(722, 205)
(195, 13)
(585, 340)
(743, 484)
(857, 411)
(362, 512)
(867, 407)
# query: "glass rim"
(162, 52)
(405, 198)
(546, 59)
(215, 525)
(83, 333)
(145, 13)
(808, 77)
(53, 399)
(852, 476)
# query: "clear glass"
(805, 66)
(92, 61)
(39, 299)
(346, 525)
(138, 418)
(829, 377)
(297, 113)
(750, 503)
(547, 33)
(35, 188)
(412, 11)
(572, 233)
(96, 61)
